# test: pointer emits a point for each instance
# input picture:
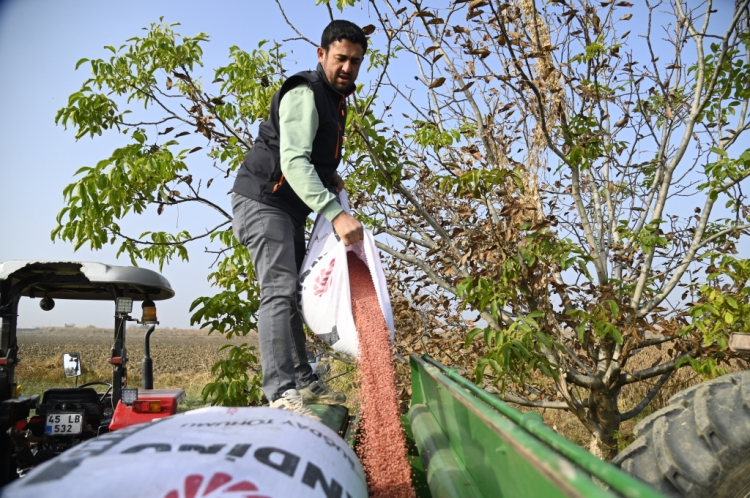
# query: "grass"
(344, 378)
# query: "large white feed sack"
(325, 300)
(211, 452)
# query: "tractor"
(36, 428)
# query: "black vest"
(260, 178)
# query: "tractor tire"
(699, 445)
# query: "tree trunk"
(603, 417)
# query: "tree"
(547, 203)
(156, 71)
(545, 181)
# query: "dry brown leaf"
(475, 4)
(464, 88)
(482, 52)
(437, 82)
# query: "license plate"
(63, 424)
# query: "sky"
(40, 43)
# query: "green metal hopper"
(472, 444)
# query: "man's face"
(341, 63)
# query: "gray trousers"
(277, 249)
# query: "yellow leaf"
(368, 30)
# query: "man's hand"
(348, 228)
(338, 182)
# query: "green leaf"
(472, 335)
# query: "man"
(289, 173)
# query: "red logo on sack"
(219, 484)
(323, 279)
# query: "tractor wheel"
(699, 445)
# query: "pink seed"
(383, 447)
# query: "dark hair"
(342, 30)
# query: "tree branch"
(656, 339)
(421, 264)
(202, 200)
(175, 243)
(587, 381)
(650, 396)
(626, 378)
(292, 26)
(540, 403)
(420, 242)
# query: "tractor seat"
(85, 399)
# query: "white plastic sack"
(325, 299)
(248, 452)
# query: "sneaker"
(318, 393)
(292, 400)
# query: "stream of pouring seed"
(383, 444)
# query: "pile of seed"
(383, 445)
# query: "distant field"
(182, 358)
(173, 351)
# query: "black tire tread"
(695, 444)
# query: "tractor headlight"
(124, 305)
(129, 395)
